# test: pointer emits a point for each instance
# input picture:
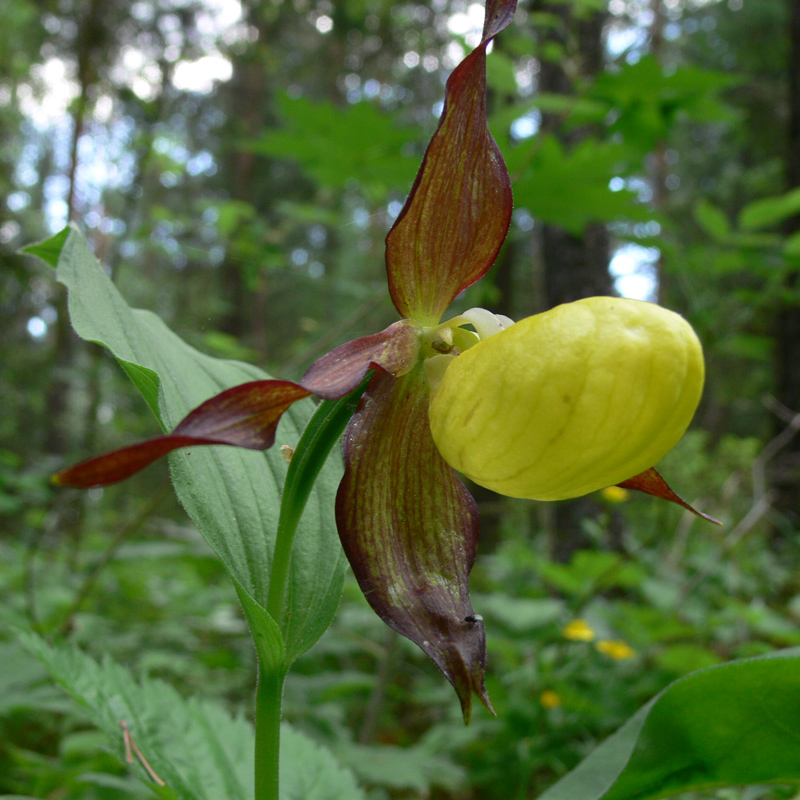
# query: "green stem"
(269, 694)
(322, 432)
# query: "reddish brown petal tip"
(466, 664)
(651, 482)
(119, 464)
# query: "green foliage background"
(250, 216)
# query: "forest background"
(236, 167)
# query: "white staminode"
(485, 323)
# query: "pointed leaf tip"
(49, 250)
(409, 529)
(651, 482)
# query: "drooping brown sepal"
(457, 215)
(409, 529)
(651, 482)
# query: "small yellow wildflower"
(616, 649)
(578, 631)
(550, 699)
(615, 494)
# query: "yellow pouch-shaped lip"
(563, 403)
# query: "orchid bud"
(584, 396)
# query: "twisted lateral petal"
(244, 416)
(459, 209)
(578, 398)
(247, 415)
(409, 529)
(342, 370)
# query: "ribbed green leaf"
(413, 768)
(727, 725)
(232, 495)
(310, 772)
(323, 431)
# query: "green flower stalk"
(585, 396)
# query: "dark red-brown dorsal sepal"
(651, 482)
(457, 215)
(409, 529)
(247, 415)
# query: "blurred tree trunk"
(786, 472)
(248, 95)
(90, 42)
(574, 266)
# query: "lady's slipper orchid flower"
(576, 399)
(584, 396)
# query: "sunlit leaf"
(712, 219)
(570, 187)
(338, 145)
(769, 211)
(791, 247)
(49, 249)
(647, 99)
(727, 725)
